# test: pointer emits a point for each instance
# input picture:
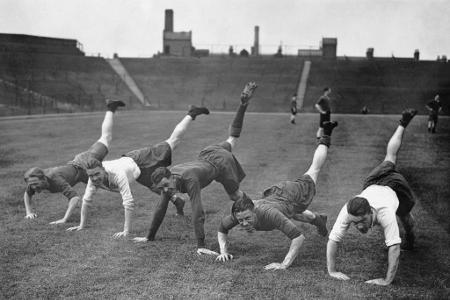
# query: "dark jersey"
(61, 179)
(269, 216)
(324, 103)
(215, 162)
(434, 106)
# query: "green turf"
(42, 261)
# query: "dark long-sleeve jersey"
(61, 179)
(269, 216)
(192, 177)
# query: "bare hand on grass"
(224, 257)
(120, 234)
(140, 239)
(378, 281)
(75, 228)
(339, 275)
(31, 216)
(60, 221)
(275, 266)
(201, 251)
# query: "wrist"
(201, 243)
(285, 265)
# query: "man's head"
(436, 97)
(97, 175)
(164, 181)
(35, 179)
(360, 213)
(326, 91)
(243, 211)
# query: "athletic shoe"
(321, 223)
(194, 111)
(114, 104)
(407, 116)
(328, 127)
(179, 204)
(292, 121)
(247, 92)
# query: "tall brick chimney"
(256, 42)
(168, 21)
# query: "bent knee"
(105, 140)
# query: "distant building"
(328, 49)
(255, 48)
(369, 53)
(176, 43)
(36, 44)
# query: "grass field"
(44, 261)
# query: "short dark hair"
(92, 170)
(358, 206)
(159, 174)
(242, 204)
(34, 172)
(326, 89)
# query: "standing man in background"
(324, 109)
(434, 107)
(293, 108)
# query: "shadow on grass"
(427, 185)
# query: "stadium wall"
(80, 83)
(384, 86)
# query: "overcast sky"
(133, 28)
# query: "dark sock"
(324, 140)
(236, 127)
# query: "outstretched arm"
(83, 217)
(294, 249)
(224, 255)
(393, 259)
(29, 212)
(127, 201)
(87, 198)
(158, 217)
(331, 261)
(72, 204)
(126, 225)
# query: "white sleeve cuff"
(128, 204)
(393, 242)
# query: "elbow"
(87, 202)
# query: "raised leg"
(108, 121)
(238, 121)
(320, 155)
(181, 128)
